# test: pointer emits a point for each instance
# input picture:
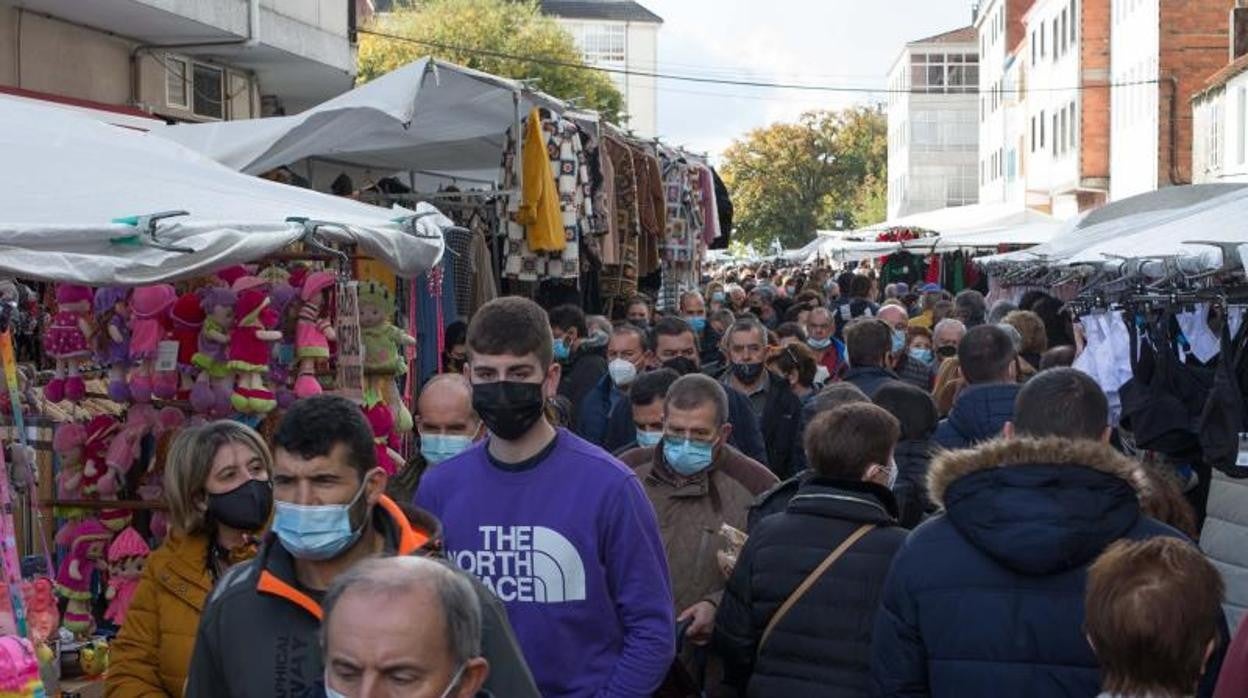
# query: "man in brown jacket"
(697, 483)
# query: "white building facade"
(1220, 127)
(933, 125)
(191, 60)
(1135, 43)
(1002, 114)
(622, 36)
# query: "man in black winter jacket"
(869, 344)
(584, 358)
(986, 356)
(777, 408)
(821, 645)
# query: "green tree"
(461, 30)
(790, 179)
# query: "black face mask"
(509, 409)
(246, 507)
(747, 373)
(682, 365)
(947, 352)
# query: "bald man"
(445, 419)
(373, 649)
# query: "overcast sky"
(822, 42)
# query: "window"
(1054, 138)
(1063, 140)
(1063, 32)
(177, 82)
(954, 73)
(1074, 142)
(601, 43)
(1241, 114)
(1033, 134)
(1074, 21)
(1042, 32)
(1041, 128)
(209, 86)
(1056, 36)
(1033, 47)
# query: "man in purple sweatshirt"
(557, 528)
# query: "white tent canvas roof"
(959, 220)
(53, 230)
(429, 115)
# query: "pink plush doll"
(385, 439)
(88, 543)
(66, 340)
(126, 557)
(188, 318)
(384, 360)
(250, 347)
(112, 312)
(19, 669)
(42, 614)
(100, 431)
(149, 326)
(315, 330)
(68, 442)
(124, 448)
(215, 384)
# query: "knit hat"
(108, 297)
(153, 301)
(316, 282)
(128, 543)
(374, 293)
(246, 283)
(231, 274)
(72, 293)
(188, 311)
(250, 302)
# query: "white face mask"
(622, 372)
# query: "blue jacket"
(869, 379)
(747, 435)
(978, 415)
(595, 409)
(986, 599)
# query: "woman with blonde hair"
(219, 497)
(948, 384)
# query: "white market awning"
(958, 220)
(428, 116)
(67, 177)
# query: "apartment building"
(1220, 112)
(933, 124)
(1002, 112)
(1164, 51)
(183, 60)
(624, 36)
(1067, 105)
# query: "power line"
(738, 83)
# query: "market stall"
(166, 291)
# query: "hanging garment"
(1225, 415)
(652, 207)
(710, 205)
(539, 205)
(605, 209)
(619, 278)
(724, 212)
(483, 287)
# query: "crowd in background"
(795, 483)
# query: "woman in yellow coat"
(218, 492)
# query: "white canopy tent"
(1151, 225)
(1034, 233)
(958, 220)
(57, 233)
(429, 116)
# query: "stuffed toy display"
(126, 557)
(112, 312)
(215, 384)
(315, 330)
(87, 541)
(284, 300)
(383, 343)
(19, 669)
(42, 616)
(250, 348)
(385, 438)
(100, 432)
(68, 443)
(66, 341)
(188, 318)
(149, 326)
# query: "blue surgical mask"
(921, 355)
(686, 456)
(899, 341)
(562, 351)
(819, 344)
(331, 693)
(317, 532)
(697, 322)
(718, 297)
(439, 447)
(646, 439)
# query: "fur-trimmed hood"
(949, 466)
(1038, 506)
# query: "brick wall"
(1195, 37)
(1015, 29)
(1094, 25)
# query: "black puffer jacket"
(822, 647)
(912, 459)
